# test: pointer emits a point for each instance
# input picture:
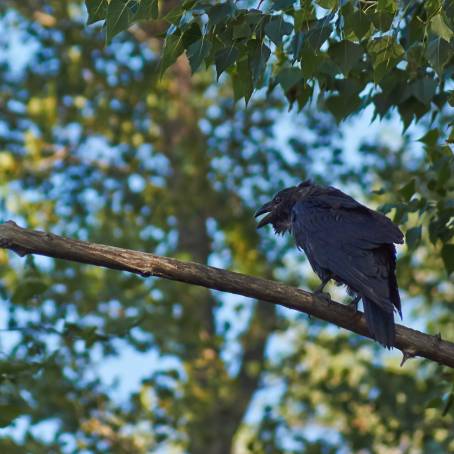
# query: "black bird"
(345, 241)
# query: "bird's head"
(279, 210)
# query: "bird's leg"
(319, 290)
(354, 302)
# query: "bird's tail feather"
(380, 323)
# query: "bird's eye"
(277, 199)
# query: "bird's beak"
(267, 208)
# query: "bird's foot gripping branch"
(23, 241)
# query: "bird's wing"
(346, 242)
(383, 231)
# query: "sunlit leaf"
(439, 27)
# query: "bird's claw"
(354, 304)
(323, 295)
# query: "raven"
(345, 241)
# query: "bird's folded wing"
(363, 224)
(337, 200)
(347, 243)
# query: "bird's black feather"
(346, 241)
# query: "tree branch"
(23, 241)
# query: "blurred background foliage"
(95, 145)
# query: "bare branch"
(23, 242)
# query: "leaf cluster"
(389, 54)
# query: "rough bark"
(22, 241)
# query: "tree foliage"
(350, 54)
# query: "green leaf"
(439, 27)
(346, 55)
(255, 18)
(9, 412)
(401, 215)
(220, 13)
(435, 228)
(191, 35)
(118, 18)
(281, 4)
(438, 53)
(303, 16)
(173, 48)
(348, 88)
(408, 189)
(385, 50)
(382, 20)
(430, 138)
(174, 15)
(198, 51)
(443, 169)
(386, 208)
(328, 4)
(241, 31)
(301, 93)
(383, 102)
(297, 46)
(435, 402)
(389, 6)
(413, 237)
(410, 109)
(225, 58)
(448, 403)
(97, 10)
(385, 53)
(450, 139)
(424, 89)
(258, 55)
(355, 22)
(447, 254)
(341, 107)
(188, 4)
(451, 98)
(242, 81)
(146, 9)
(319, 33)
(289, 77)
(310, 62)
(276, 28)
